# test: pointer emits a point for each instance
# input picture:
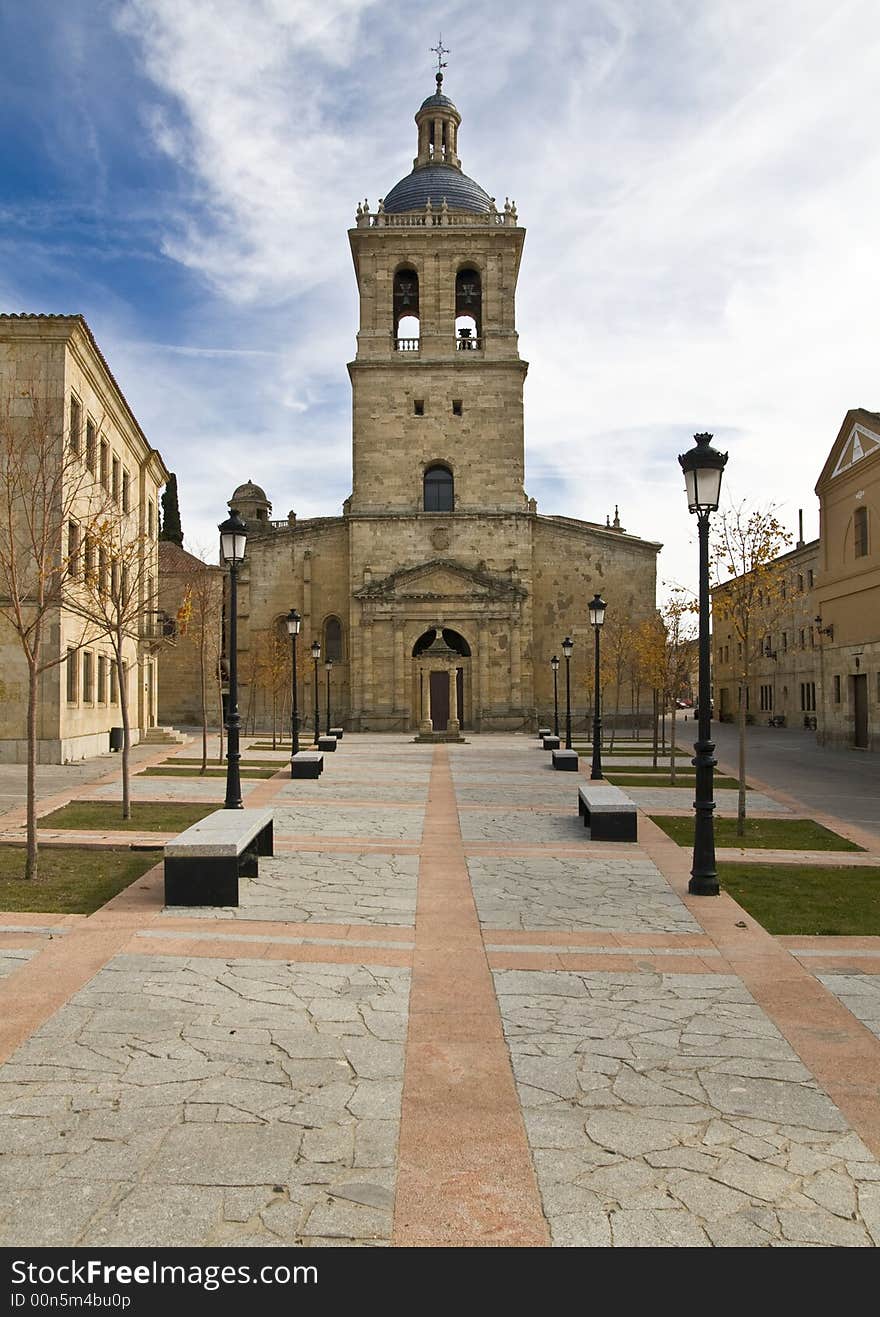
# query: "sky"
(698, 180)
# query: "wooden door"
(439, 700)
(860, 709)
(459, 686)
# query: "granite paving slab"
(323, 888)
(207, 1102)
(314, 821)
(654, 800)
(511, 826)
(667, 1110)
(860, 993)
(596, 893)
(556, 793)
(329, 787)
(12, 958)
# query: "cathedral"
(441, 592)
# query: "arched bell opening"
(468, 309)
(406, 329)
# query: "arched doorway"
(439, 652)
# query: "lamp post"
(703, 467)
(596, 608)
(554, 663)
(294, 623)
(316, 657)
(567, 647)
(328, 665)
(233, 538)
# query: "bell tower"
(437, 381)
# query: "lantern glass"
(328, 664)
(703, 468)
(294, 622)
(316, 649)
(554, 663)
(567, 646)
(596, 608)
(233, 537)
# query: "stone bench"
(551, 742)
(327, 743)
(337, 732)
(608, 812)
(544, 731)
(204, 863)
(565, 760)
(307, 763)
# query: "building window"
(102, 569)
(810, 578)
(808, 696)
(456, 407)
(418, 406)
(126, 491)
(802, 639)
(88, 676)
(860, 525)
(837, 690)
(151, 513)
(114, 479)
(91, 445)
(89, 558)
(72, 549)
(800, 584)
(104, 465)
(766, 699)
(72, 676)
(102, 678)
(75, 423)
(438, 489)
(785, 642)
(333, 639)
(114, 683)
(405, 295)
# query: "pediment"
(860, 442)
(441, 579)
(857, 440)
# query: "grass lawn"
(643, 750)
(789, 899)
(212, 763)
(635, 779)
(772, 834)
(106, 816)
(72, 880)
(163, 771)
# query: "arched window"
(468, 308)
(333, 639)
(406, 310)
(439, 490)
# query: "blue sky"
(698, 179)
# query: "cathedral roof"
(250, 491)
(438, 99)
(435, 182)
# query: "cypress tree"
(171, 513)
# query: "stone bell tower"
(437, 380)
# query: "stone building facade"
(54, 381)
(438, 543)
(191, 598)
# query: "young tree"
(272, 654)
(649, 648)
(49, 503)
(745, 545)
(193, 589)
(171, 513)
(677, 619)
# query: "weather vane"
(440, 50)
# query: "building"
(847, 598)
(441, 592)
(783, 663)
(58, 396)
(191, 599)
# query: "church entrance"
(439, 700)
(433, 684)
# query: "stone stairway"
(163, 736)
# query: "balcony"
(406, 344)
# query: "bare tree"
(194, 589)
(745, 545)
(50, 503)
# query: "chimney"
(800, 538)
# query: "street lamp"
(294, 623)
(233, 538)
(316, 656)
(554, 663)
(567, 647)
(328, 665)
(703, 467)
(596, 608)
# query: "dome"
(249, 491)
(437, 100)
(436, 182)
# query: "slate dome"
(437, 182)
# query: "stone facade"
(191, 597)
(848, 595)
(51, 368)
(438, 537)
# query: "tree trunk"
(672, 746)
(203, 686)
(220, 703)
(656, 720)
(741, 794)
(31, 864)
(274, 719)
(126, 734)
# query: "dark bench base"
(565, 760)
(337, 732)
(308, 763)
(551, 742)
(609, 825)
(544, 731)
(327, 743)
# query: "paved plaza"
(442, 1014)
